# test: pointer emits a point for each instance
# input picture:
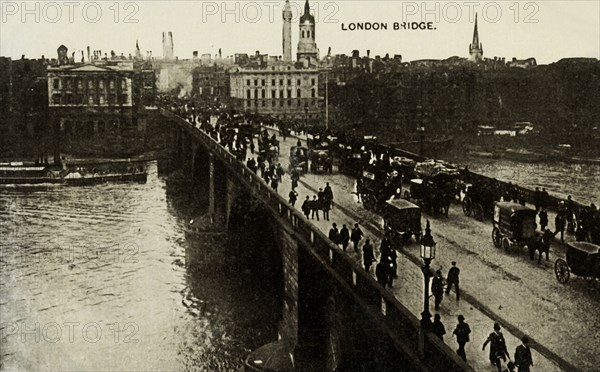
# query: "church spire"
(476, 33)
(476, 48)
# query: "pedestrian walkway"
(408, 287)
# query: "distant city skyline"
(547, 31)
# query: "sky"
(546, 30)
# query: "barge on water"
(19, 173)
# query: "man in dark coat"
(559, 224)
(437, 289)
(334, 234)
(356, 236)
(543, 219)
(306, 207)
(344, 237)
(382, 274)
(314, 207)
(453, 280)
(523, 359)
(438, 327)
(498, 351)
(328, 195)
(368, 255)
(462, 332)
(293, 197)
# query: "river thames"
(104, 278)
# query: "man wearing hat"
(453, 279)
(498, 349)
(462, 332)
(437, 289)
(523, 359)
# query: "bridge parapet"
(394, 319)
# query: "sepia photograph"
(300, 185)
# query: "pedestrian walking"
(344, 237)
(498, 351)
(275, 183)
(325, 207)
(306, 207)
(438, 327)
(537, 199)
(453, 279)
(437, 288)
(280, 172)
(543, 219)
(314, 207)
(462, 332)
(295, 178)
(381, 274)
(293, 197)
(523, 359)
(559, 224)
(368, 255)
(356, 236)
(334, 234)
(328, 195)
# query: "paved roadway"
(523, 296)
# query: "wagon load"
(432, 168)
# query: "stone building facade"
(284, 91)
(98, 107)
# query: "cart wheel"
(407, 195)
(506, 245)
(478, 212)
(467, 206)
(562, 271)
(497, 237)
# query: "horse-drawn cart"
(582, 259)
(514, 225)
(402, 220)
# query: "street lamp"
(421, 131)
(427, 254)
(306, 114)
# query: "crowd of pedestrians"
(386, 269)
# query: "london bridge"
(226, 211)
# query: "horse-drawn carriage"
(299, 159)
(479, 200)
(514, 225)
(377, 186)
(435, 193)
(402, 220)
(582, 259)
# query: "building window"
(313, 93)
(255, 82)
(56, 99)
(248, 94)
(123, 84)
(56, 83)
(281, 94)
(255, 93)
(312, 82)
(307, 33)
(289, 93)
(248, 82)
(299, 82)
(302, 33)
(273, 82)
(90, 84)
(273, 93)
(264, 103)
(280, 81)
(299, 93)
(289, 102)
(111, 84)
(263, 82)
(101, 84)
(289, 81)
(263, 94)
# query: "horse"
(541, 245)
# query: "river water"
(104, 278)
(582, 181)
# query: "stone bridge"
(334, 315)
